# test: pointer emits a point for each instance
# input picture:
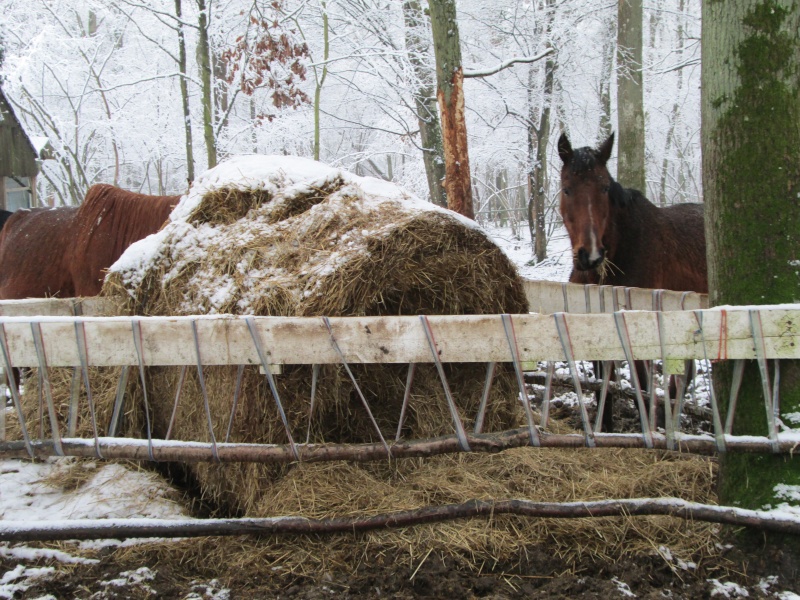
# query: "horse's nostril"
(583, 257)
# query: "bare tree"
(418, 48)
(538, 137)
(187, 116)
(204, 66)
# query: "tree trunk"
(450, 94)
(538, 138)
(607, 69)
(187, 119)
(425, 100)
(320, 79)
(751, 184)
(204, 64)
(662, 188)
(630, 96)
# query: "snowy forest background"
(101, 79)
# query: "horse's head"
(588, 195)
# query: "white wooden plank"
(55, 307)
(470, 338)
(543, 297)
(551, 296)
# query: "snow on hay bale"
(284, 236)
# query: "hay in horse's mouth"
(607, 268)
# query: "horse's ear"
(617, 194)
(564, 148)
(604, 151)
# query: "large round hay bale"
(283, 236)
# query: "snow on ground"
(517, 246)
(32, 491)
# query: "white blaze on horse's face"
(585, 203)
(585, 210)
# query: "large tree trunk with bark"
(430, 129)
(630, 96)
(450, 94)
(751, 184)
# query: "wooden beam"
(465, 338)
(550, 296)
(57, 307)
(90, 529)
(544, 297)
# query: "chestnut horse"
(65, 251)
(109, 220)
(33, 244)
(620, 238)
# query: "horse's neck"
(635, 232)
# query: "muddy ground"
(739, 571)
(736, 574)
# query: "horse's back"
(111, 219)
(33, 247)
(685, 268)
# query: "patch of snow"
(110, 491)
(517, 246)
(212, 590)
(137, 577)
(727, 589)
(32, 554)
(19, 579)
(624, 588)
(787, 492)
(793, 418)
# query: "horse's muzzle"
(583, 261)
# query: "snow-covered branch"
(507, 63)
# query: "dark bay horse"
(620, 238)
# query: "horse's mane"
(133, 215)
(626, 197)
(109, 220)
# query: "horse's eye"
(606, 188)
(566, 191)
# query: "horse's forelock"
(583, 161)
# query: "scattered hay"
(327, 490)
(71, 474)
